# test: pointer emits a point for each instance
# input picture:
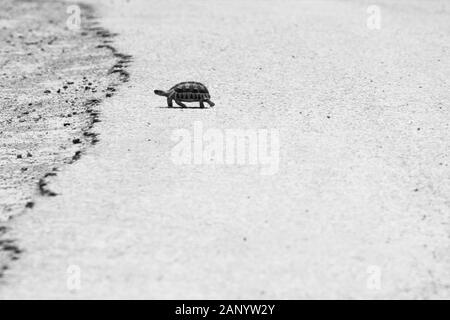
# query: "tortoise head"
(161, 93)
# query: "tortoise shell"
(190, 91)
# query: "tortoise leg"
(212, 104)
(181, 104)
(202, 105)
(169, 102)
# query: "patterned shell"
(190, 87)
(190, 91)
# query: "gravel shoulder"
(52, 80)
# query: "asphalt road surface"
(357, 202)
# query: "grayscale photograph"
(224, 150)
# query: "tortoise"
(188, 92)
